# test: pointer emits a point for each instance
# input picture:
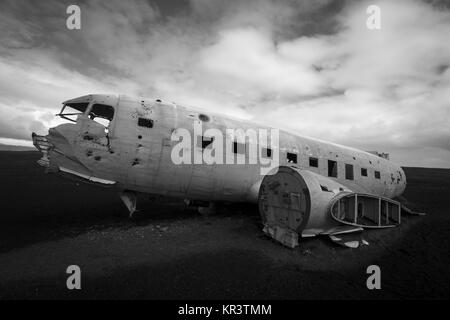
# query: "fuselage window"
(332, 168)
(291, 157)
(313, 162)
(144, 122)
(348, 171)
(266, 152)
(238, 147)
(377, 175)
(364, 172)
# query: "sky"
(310, 67)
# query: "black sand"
(171, 252)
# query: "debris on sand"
(161, 229)
(347, 243)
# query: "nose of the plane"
(60, 151)
(61, 137)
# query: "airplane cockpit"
(98, 112)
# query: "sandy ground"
(171, 252)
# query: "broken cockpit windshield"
(71, 111)
(100, 113)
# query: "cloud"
(250, 61)
(309, 67)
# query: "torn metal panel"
(43, 145)
(87, 177)
(412, 212)
(285, 236)
(129, 198)
(345, 243)
(348, 240)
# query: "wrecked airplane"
(314, 188)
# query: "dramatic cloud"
(312, 67)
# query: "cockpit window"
(102, 114)
(71, 111)
(103, 111)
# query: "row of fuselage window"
(333, 169)
(292, 158)
(314, 162)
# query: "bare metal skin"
(136, 157)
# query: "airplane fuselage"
(135, 153)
